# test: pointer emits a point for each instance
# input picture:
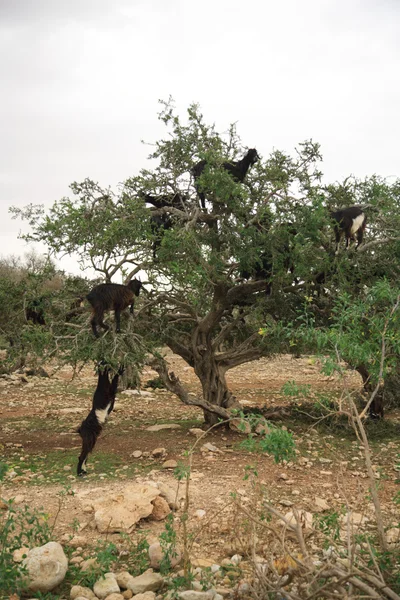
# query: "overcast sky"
(81, 79)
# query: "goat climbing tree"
(252, 275)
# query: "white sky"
(80, 81)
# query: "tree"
(207, 294)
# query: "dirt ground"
(39, 444)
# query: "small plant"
(329, 524)
(19, 527)
(136, 555)
(277, 442)
(168, 545)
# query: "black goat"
(112, 296)
(262, 269)
(351, 222)
(102, 405)
(34, 311)
(237, 170)
(159, 224)
(174, 200)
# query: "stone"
(163, 426)
(283, 476)
(137, 454)
(169, 464)
(304, 517)
(321, 505)
(171, 495)
(46, 567)
(78, 591)
(115, 596)
(195, 595)
(105, 586)
(262, 428)
(19, 498)
(147, 582)
(200, 514)
(208, 447)
(3, 505)
(20, 554)
(240, 425)
(120, 512)
(196, 431)
(161, 509)
(393, 536)
(76, 560)
(127, 594)
(75, 542)
(236, 559)
(203, 563)
(145, 596)
(90, 564)
(123, 579)
(157, 452)
(157, 554)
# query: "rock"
(78, 591)
(194, 595)
(45, 566)
(163, 426)
(121, 512)
(393, 536)
(236, 559)
(283, 476)
(105, 586)
(19, 498)
(90, 564)
(209, 448)
(240, 425)
(137, 454)
(127, 594)
(170, 464)
(262, 428)
(200, 514)
(203, 563)
(147, 582)
(3, 505)
(20, 554)
(157, 452)
(321, 505)
(145, 596)
(123, 579)
(196, 431)
(77, 541)
(157, 554)
(161, 509)
(171, 495)
(76, 560)
(115, 596)
(305, 519)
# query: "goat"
(260, 270)
(176, 200)
(351, 222)
(102, 405)
(237, 170)
(159, 224)
(34, 311)
(112, 296)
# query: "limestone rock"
(171, 495)
(123, 579)
(105, 586)
(156, 555)
(137, 454)
(147, 582)
(240, 425)
(196, 431)
(262, 428)
(121, 512)
(170, 464)
(145, 596)
(20, 553)
(393, 535)
(203, 563)
(157, 452)
(163, 426)
(78, 591)
(321, 505)
(161, 509)
(305, 519)
(115, 596)
(193, 595)
(90, 564)
(46, 567)
(127, 594)
(208, 447)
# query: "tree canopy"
(252, 275)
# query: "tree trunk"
(215, 389)
(376, 408)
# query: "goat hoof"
(82, 474)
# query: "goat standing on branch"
(102, 405)
(237, 170)
(112, 296)
(351, 222)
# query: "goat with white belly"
(351, 222)
(102, 405)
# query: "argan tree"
(252, 275)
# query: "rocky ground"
(39, 417)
